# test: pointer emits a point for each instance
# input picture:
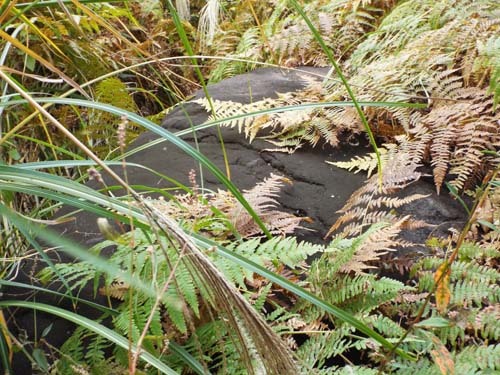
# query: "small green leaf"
(488, 224)
(30, 63)
(454, 192)
(434, 322)
(47, 330)
(14, 154)
(41, 359)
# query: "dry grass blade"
(272, 352)
(41, 60)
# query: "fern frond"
(476, 359)
(262, 199)
(465, 293)
(321, 346)
(287, 251)
(461, 132)
(116, 290)
(377, 243)
(486, 323)
(366, 163)
(77, 275)
(225, 109)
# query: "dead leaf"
(443, 293)
(442, 357)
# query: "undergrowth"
(217, 282)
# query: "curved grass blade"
(92, 326)
(184, 146)
(5, 346)
(289, 108)
(32, 240)
(36, 288)
(62, 185)
(173, 346)
(188, 358)
(299, 291)
(76, 251)
(331, 58)
(90, 163)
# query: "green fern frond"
(77, 275)
(465, 293)
(479, 359)
(385, 326)
(486, 323)
(101, 129)
(287, 251)
(324, 345)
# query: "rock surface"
(318, 191)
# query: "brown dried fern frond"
(461, 131)
(262, 199)
(116, 290)
(372, 203)
(288, 129)
(192, 207)
(340, 24)
(377, 244)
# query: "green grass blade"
(70, 200)
(62, 185)
(188, 358)
(187, 45)
(92, 326)
(4, 352)
(184, 146)
(91, 163)
(35, 288)
(331, 58)
(272, 111)
(299, 291)
(27, 235)
(299, 107)
(173, 346)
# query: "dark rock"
(318, 189)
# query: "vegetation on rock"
(217, 282)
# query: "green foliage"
(442, 53)
(91, 358)
(101, 130)
(136, 253)
(277, 251)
